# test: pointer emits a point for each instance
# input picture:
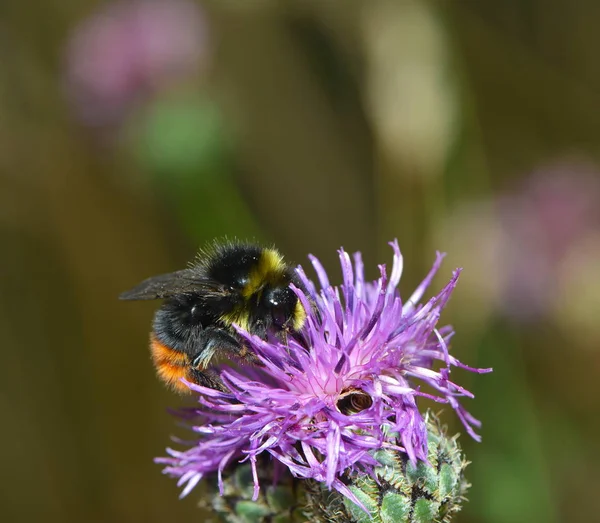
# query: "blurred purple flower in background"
(344, 387)
(129, 50)
(529, 246)
(544, 218)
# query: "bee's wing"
(171, 284)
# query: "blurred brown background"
(133, 132)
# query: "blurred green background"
(133, 132)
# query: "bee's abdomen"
(171, 365)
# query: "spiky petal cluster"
(360, 342)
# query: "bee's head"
(258, 285)
(283, 306)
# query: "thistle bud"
(276, 503)
(400, 491)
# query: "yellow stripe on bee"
(239, 316)
(298, 317)
(270, 269)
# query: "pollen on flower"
(345, 386)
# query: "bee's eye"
(281, 301)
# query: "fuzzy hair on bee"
(229, 283)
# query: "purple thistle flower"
(360, 341)
(129, 50)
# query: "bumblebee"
(230, 283)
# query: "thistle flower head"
(345, 386)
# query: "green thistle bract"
(400, 492)
(280, 503)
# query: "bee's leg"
(201, 347)
(217, 341)
(214, 341)
(206, 378)
(210, 343)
